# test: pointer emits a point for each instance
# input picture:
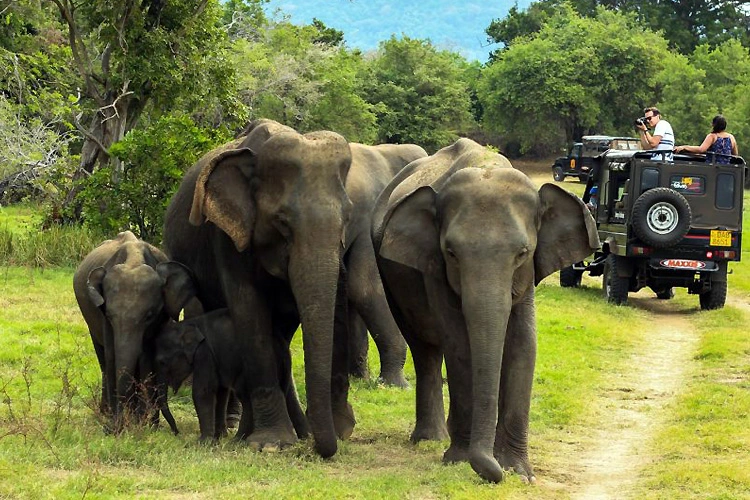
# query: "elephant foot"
(486, 466)
(456, 454)
(344, 421)
(270, 440)
(516, 462)
(394, 379)
(435, 432)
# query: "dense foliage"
(100, 99)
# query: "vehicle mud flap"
(661, 217)
(570, 277)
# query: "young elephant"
(126, 289)
(206, 346)
(461, 239)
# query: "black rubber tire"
(558, 174)
(570, 278)
(665, 293)
(661, 217)
(716, 297)
(615, 287)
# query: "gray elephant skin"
(462, 239)
(126, 290)
(206, 347)
(269, 223)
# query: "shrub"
(153, 162)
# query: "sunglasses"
(648, 118)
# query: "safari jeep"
(582, 155)
(663, 225)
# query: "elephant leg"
(205, 392)
(343, 414)
(110, 387)
(296, 413)
(223, 395)
(428, 361)
(233, 410)
(458, 367)
(104, 407)
(514, 402)
(252, 321)
(368, 297)
(358, 346)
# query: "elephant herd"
(277, 229)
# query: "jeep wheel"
(615, 287)
(661, 217)
(558, 174)
(570, 278)
(717, 295)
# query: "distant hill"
(454, 25)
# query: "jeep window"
(688, 184)
(725, 191)
(649, 179)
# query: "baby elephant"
(205, 346)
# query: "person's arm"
(707, 142)
(649, 141)
(735, 151)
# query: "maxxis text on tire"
(570, 278)
(717, 295)
(558, 174)
(615, 287)
(661, 217)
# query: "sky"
(455, 25)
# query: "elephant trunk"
(162, 401)
(128, 350)
(487, 310)
(314, 273)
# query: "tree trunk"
(107, 126)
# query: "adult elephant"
(461, 240)
(127, 290)
(268, 223)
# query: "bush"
(57, 246)
(154, 160)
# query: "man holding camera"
(661, 140)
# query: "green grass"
(52, 444)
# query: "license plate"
(721, 238)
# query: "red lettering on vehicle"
(683, 264)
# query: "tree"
(576, 76)
(686, 24)
(420, 94)
(129, 54)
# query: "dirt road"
(633, 403)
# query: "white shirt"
(664, 129)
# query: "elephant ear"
(567, 233)
(178, 287)
(223, 195)
(95, 287)
(410, 233)
(190, 338)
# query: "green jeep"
(663, 224)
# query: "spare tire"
(661, 217)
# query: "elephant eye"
(451, 253)
(523, 252)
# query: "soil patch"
(633, 404)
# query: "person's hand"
(679, 149)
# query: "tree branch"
(87, 134)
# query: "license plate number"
(721, 238)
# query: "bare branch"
(87, 134)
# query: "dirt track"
(631, 406)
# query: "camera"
(641, 121)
